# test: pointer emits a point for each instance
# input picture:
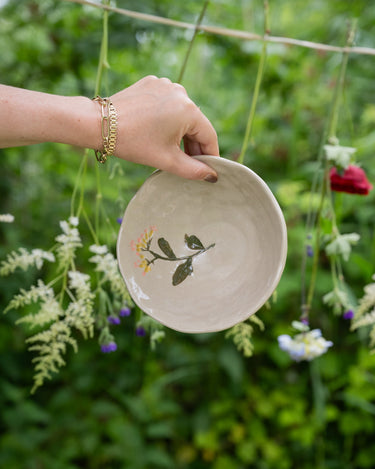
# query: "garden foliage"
(158, 398)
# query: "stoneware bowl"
(202, 257)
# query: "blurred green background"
(195, 402)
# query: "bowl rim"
(207, 159)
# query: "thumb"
(190, 168)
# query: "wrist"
(108, 121)
(84, 129)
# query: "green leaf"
(182, 271)
(193, 242)
(165, 247)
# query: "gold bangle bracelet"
(109, 120)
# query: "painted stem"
(184, 258)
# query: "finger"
(178, 87)
(165, 80)
(203, 133)
(191, 147)
(190, 168)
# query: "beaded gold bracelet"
(109, 128)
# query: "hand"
(154, 116)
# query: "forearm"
(154, 115)
(28, 117)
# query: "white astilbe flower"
(80, 283)
(79, 315)
(242, 334)
(40, 292)
(107, 265)
(365, 313)
(74, 221)
(69, 241)
(6, 218)
(304, 346)
(51, 346)
(50, 310)
(96, 249)
(365, 320)
(24, 259)
(79, 312)
(367, 301)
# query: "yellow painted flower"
(141, 245)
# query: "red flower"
(353, 181)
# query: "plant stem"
(103, 57)
(103, 64)
(258, 82)
(340, 85)
(83, 178)
(99, 198)
(325, 189)
(190, 48)
(306, 307)
(92, 231)
(81, 170)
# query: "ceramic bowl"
(202, 257)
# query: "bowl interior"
(201, 257)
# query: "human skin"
(154, 116)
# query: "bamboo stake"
(235, 33)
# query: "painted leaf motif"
(182, 271)
(165, 247)
(193, 242)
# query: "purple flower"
(305, 321)
(309, 251)
(140, 331)
(110, 347)
(125, 312)
(348, 314)
(119, 220)
(113, 320)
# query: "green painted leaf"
(182, 271)
(193, 242)
(165, 247)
